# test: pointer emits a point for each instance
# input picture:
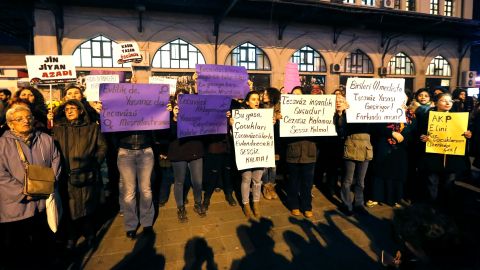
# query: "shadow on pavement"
(143, 255)
(258, 244)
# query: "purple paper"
(202, 115)
(229, 81)
(128, 107)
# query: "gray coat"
(13, 206)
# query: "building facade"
(329, 40)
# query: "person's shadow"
(197, 252)
(258, 244)
(331, 249)
(143, 255)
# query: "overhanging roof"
(16, 22)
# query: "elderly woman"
(83, 149)
(24, 230)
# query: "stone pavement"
(225, 238)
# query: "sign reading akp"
(229, 81)
(445, 132)
(127, 52)
(307, 115)
(93, 85)
(253, 138)
(129, 107)
(375, 100)
(51, 68)
(202, 115)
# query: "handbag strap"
(21, 154)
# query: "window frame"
(406, 66)
(305, 52)
(438, 65)
(99, 42)
(449, 8)
(434, 7)
(354, 68)
(245, 51)
(179, 54)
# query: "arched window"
(96, 52)
(401, 64)
(177, 54)
(358, 62)
(439, 66)
(309, 60)
(249, 56)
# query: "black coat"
(83, 148)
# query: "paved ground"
(225, 238)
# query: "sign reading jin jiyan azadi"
(445, 131)
(51, 68)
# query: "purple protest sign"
(222, 80)
(201, 115)
(128, 107)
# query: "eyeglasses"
(27, 119)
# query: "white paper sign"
(163, 80)
(307, 115)
(127, 52)
(253, 138)
(374, 100)
(93, 85)
(51, 68)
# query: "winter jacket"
(301, 150)
(184, 149)
(83, 148)
(42, 151)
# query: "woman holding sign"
(358, 152)
(252, 101)
(440, 167)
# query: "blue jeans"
(135, 167)
(300, 182)
(269, 175)
(179, 172)
(355, 172)
(249, 176)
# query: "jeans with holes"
(249, 176)
(135, 167)
(354, 174)
(179, 171)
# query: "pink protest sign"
(292, 78)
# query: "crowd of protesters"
(388, 159)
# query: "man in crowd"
(5, 95)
